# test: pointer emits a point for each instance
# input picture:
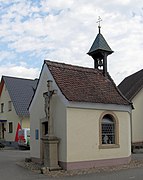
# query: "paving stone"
(40, 169)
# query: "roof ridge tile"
(72, 67)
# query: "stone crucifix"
(48, 95)
(50, 142)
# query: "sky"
(64, 30)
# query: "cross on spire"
(99, 20)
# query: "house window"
(10, 127)
(109, 131)
(9, 106)
(2, 107)
(36, 134)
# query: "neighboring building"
(90, 116)
(132, 89)
(15, 96)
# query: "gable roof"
(21, 91)
(132, 84)
(80, 84)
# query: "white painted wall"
(10, 116)
(83, 136)
(37, 113)
(137, 118)
(25, 122)
(60, 126)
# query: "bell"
(100, 62)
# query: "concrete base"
(51, 153)
(95, 163)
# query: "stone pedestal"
(51, 152)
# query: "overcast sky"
(64, 30)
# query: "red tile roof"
(82, 84)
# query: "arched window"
(108, 129)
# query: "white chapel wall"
(37, 113)
(83, 136)
(60, 126)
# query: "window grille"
(108, 130)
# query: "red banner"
(16, 136)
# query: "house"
(88, 114)
(15, 96)
(132, 89)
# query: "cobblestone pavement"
(137, 162)
(14, 167)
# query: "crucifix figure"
(99, 20)
(50, 142)
(48, 95)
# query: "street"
(10, 170)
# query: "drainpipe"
(131, 125)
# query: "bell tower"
(100, 50)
